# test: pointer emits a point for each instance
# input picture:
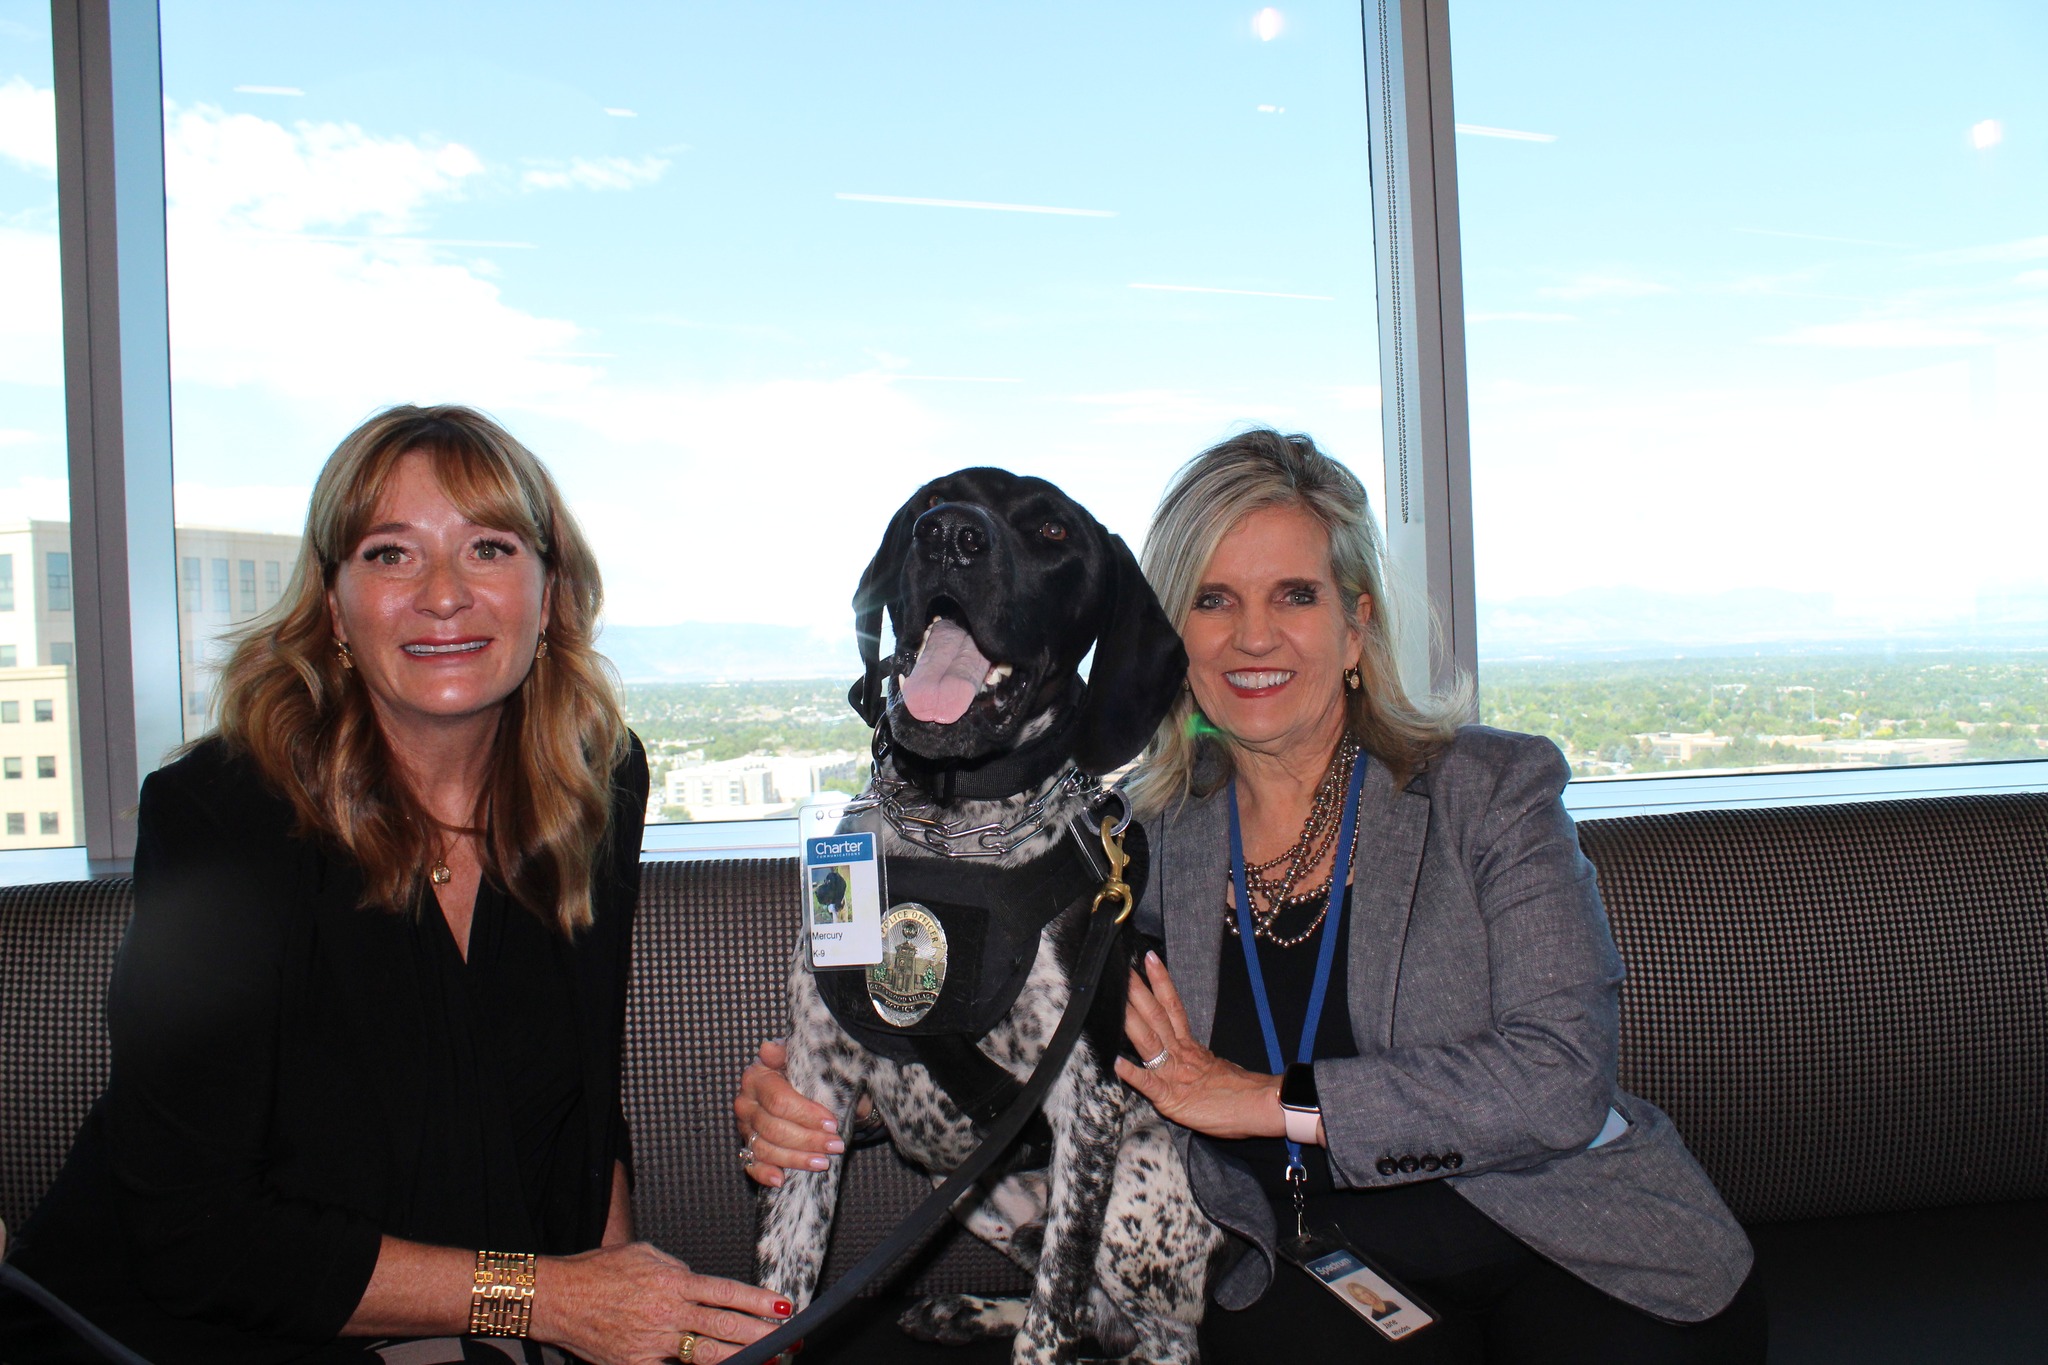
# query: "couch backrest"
(1843, 1007)
(57, 945)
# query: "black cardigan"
(226, 1196)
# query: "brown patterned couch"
(1844, 1007)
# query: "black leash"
(69, 1316)
(1095, 951)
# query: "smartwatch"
(1299, 1108)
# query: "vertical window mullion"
(1428, 510)
(110, 172)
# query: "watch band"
(1300, 1108)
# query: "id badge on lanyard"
(1384, 1302)
(841, 888)
(1324, 1254)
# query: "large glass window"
(36, 627)
(1758, 329)
(745, 275)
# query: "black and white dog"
(996, 587)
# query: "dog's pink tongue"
(946, 676)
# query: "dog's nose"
(955, 532)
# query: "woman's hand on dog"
(786, 1130)
(1192, 1086)
(631, 1304)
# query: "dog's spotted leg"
(796, 1217)
(1011, 1216)
(956, 1319)
(1156, 1244)
(1087, 1118)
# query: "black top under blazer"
(282, 1061)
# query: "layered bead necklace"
(1274, 880)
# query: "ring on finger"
(747, 1157)
(686, 1347)
(1155, 1062)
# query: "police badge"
(906, 983)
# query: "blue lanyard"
(1326, 954)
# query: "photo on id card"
(1358, 1284)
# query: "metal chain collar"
(911, 813)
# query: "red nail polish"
(783, 1308)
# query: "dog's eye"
(1052, 530)
(933, 501)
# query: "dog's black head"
(996, 587)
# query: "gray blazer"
(1483, 993)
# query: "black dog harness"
(994, 918)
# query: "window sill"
(1601, 798)
(1597, 798)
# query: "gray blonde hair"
(1207, 498)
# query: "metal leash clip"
(1115, 887)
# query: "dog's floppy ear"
(869, 696)
(1139, 667)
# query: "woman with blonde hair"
(367, 1021)
(1317, 835)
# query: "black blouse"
(1290, 974)
(295, 1077)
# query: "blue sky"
(1759, 313)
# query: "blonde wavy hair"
(287, 703)
(1206, 499)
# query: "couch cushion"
(1844, 1007)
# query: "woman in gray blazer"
(1452, 1119)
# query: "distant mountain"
(705, 651)
(1619, 622)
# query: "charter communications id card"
(842, 891)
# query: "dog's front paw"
(956, 1319)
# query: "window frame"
(131, 701)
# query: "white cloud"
(242, 171)
(1521, 317)
(599, 173)
(32, 319)
(1167, 407)
(1604, 287)
(1356, 397)
(15, 436)
(256, 299)
(35, 499)
(1879, 333)
(2038, 278)
(276, 508)
(2025, 249)
(28, 126)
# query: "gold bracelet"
(501, 1298)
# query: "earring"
(1353, 680)
(540, 651)
(348, 660)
